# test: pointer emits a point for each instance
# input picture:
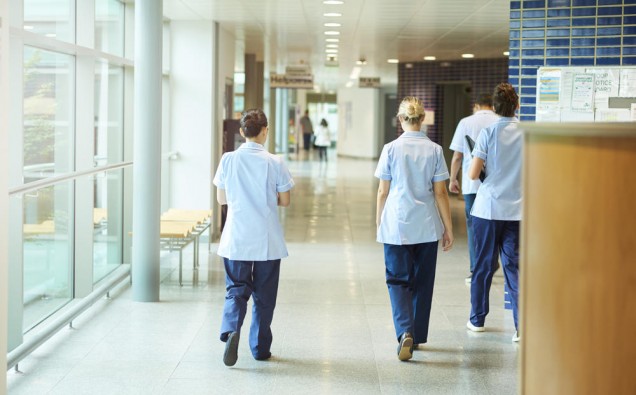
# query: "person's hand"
(447, 240)
(453, 186)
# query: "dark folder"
(471, 146)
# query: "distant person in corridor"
(308, 130)
(496, 214)
(411, 199)
(470, 126)
(323, 139)
(253, 183)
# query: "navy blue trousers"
(410, 276)
(242, 280)
(491, 239)
(469, 200)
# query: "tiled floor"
(333, 331)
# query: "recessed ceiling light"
(329, 50)
(393, 60)
(331, 45)
(468, 55)
(506, 53)
(332, 24)
(332, 14)
(332, 40)
(332, 33)
(429, 58)
(333, 2)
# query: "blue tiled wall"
(567, 33)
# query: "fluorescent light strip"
(332, 33)
(332, 24)
(333, 2)
(429, 58)
(332, 40)
(334, 14)
(468, 56)
(394, 61)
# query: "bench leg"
(181, 267)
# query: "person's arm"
(284, 198)
(476, 166)
(456, 163)
(443, 205)
(383, 193)
(220, 196)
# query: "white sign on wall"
(582, 94)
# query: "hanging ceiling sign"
(301, 81)
(369, 82)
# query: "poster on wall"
(548, 95)
(628, 83)
(606, 84)
(583, 93)
(567, 76)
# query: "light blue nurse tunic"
(500, 146)
(412, 163)
(251, 178)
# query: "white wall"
(4, 186)
(191, 77)
(358, 117)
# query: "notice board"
(586, 94)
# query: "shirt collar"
(485, 112)
(252, 145)
(414, 134)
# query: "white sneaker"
(474, 328)
(516, 337)
(469, 279)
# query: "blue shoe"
(405, 349)
(231, 349)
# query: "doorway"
(455, 105)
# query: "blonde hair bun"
(411, 110)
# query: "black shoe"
(264, 357)
(405, 349)
(231, 349)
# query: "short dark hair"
(252, 121)
(323, 122)
(505, 100)
(485, 99)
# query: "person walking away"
(411, 199)
(323, 139)
(496, 214)
(252, 182)
(470, 126)
(308, 130)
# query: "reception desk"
(578, 259)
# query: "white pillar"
(4, 186)
(147, 150)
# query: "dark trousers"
(491, 239)
(469, 200)
(322, 152)
(410, 276)
(307, 140)
(244, 279)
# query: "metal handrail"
(32, 186)
(24, 349)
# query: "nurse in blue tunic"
(496, 213)
(253, 183)
(411, 199)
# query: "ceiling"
(291, 32)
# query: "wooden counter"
(578, 259)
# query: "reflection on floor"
(332, 328)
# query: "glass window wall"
(48, 251)
(109, 26)
(51, 18)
